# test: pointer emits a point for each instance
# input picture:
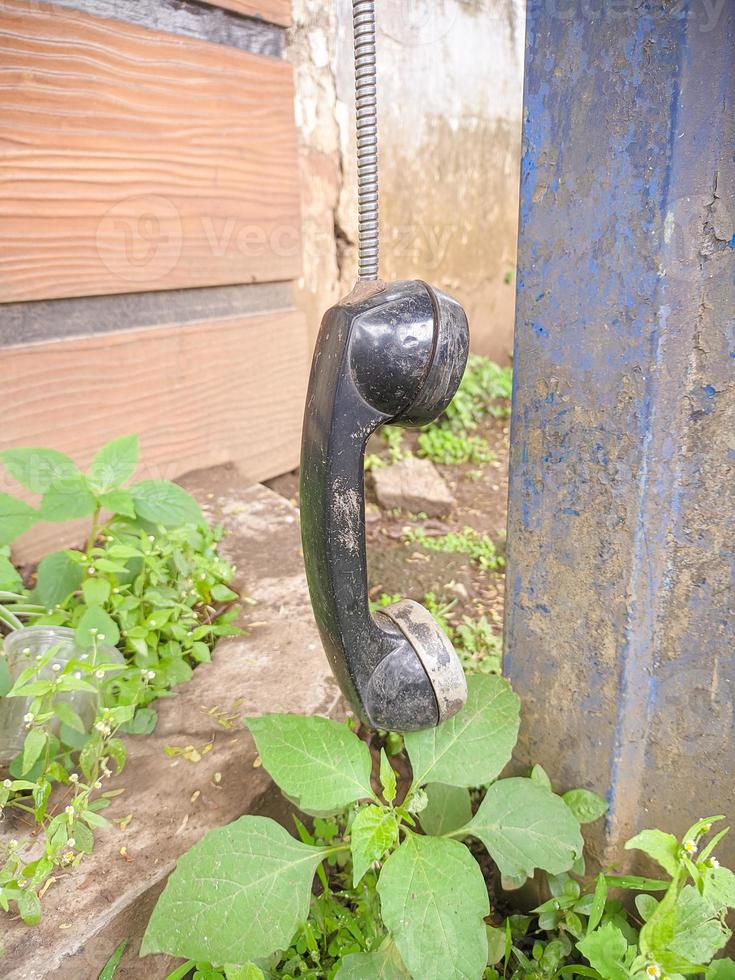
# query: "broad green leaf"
(658, 931)
(585, 805)
(237, 895)
(598, 904)
(374, 830)
(143, 723)
(35, 743)
(29, 906)
(220, 593)
(67, 499)
(119, 502)
(10, 580)
(387, 778)
(448, 809)
(249, 971)
(496, 939)
(646, 906)
(163, 502)
(723, 969)
(96, 591)
(114, 463)
(605, 950)
(37, 469)
(433, 899)
(719, 888)
(58, 576)
(663, 848)
(15, 518)
(317, 762)
(698, 933)
(384, 964)
(95, 623)
(525, 827)
(471, 748)
(69, 717)
(540, 776)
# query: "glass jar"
(22, 648)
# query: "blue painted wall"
(620, 627)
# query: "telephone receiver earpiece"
(386, 354)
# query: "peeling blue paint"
(622, 502)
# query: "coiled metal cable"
(366, 99)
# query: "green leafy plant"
(392, 436)
(149, 581)
(450, 448)
(674, 932)
(432, 900)
(479, 548)
(486, 388)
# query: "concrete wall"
(450, 88)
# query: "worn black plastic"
(395, 356)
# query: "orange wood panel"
(199, 394)
(274, 11)
(133, 160)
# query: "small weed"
(392, 435)
(450, 448)
(478, 547)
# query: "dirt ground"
(397, 567)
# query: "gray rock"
(413, 485)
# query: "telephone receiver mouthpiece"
(385, 354)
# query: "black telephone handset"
(386, 354)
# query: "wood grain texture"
(199, 394)
(132, 160)
(274, 11)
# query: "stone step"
(278, 666)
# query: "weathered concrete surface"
(414, 485)
(449, 85)
(620, 619)
(278, 666)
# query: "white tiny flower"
(151, 537)
(22, 883)
(116, 591)
(12, 844)
(98, 785)
(151, 675)
(74, 777)
(69, 811)
(7, 783)
(690, 846)
(26, 651)
(56, 667)
(714, 863)
(71, 842)
(28, 718)
(84, 656)
(99, 674)
(78, 674)
(90, 571)
(39, 657)
(653, 971)
(153, 622)
(101, 637)
(93, 631)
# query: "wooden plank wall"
(135, 160)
